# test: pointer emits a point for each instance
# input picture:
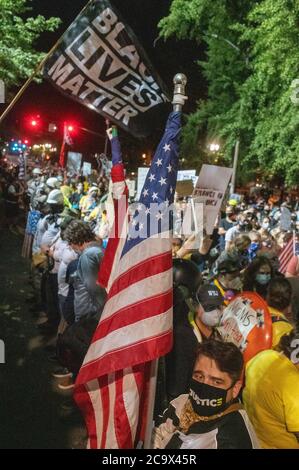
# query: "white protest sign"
(209, 192)
(238, 320)
(86, 169)
(131, 187)
(74, 162)
(186, 175)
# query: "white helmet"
(52, 183)
(93, 189)
(55, 197)
(37, 171)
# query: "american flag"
(136, 324)
(286, 254)
(67, 140)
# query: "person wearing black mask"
(210, 416)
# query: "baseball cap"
(209, 296)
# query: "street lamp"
(214, 147)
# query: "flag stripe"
(286, 255)
(128, 336)
(138, 292)
(149, 347)
(146, 268)
(121, 417)
(132, 314)
(85, 403)
(148, 248)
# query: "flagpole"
(36, 71)
(179, 97)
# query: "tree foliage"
(252, 57)
(19, 34)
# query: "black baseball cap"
(209, 296)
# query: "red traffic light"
(70, 128)
(33, 122)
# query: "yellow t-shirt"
(271, 399)
(280, 327)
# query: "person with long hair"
(258, 275)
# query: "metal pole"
(236, 156)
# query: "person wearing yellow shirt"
(279, 298)
(271, 394)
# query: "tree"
(18, 38)
(251, 59)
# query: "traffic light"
(34, 123)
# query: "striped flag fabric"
(286, 255)
(120, 203)
(136, 324)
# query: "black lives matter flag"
(99, 63)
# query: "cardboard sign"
(184, 188)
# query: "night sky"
(168, 58)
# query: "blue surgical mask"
(254, 246)
(263, 279)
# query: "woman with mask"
(258, 275)
(210, 416)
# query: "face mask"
(254, 246)
(211, 318)
(207, 400)
(263, 279)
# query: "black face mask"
(207, 400)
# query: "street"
(31, 416)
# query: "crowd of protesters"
(208, 400)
